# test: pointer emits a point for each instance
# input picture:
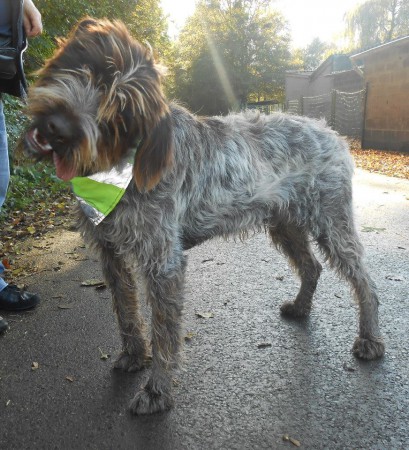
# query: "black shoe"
(3, 325)
(14, 299)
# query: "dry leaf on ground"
(93, 283)
(104, 356)
(205, 315)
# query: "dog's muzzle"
(36, 143)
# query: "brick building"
(386, 73)
(334, 91)
(336, 72)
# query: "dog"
(99, 102)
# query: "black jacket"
(17, 86)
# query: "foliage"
(314, 54)
(144, 18)
(375, 22)
(393, 164)
(37, 202)
(148, 23)
(31, 185)
(15, 120)
(231, 51)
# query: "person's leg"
(3, 284)
(11, 297)
(4, 158)
(4, 173)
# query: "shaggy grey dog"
(195, 178)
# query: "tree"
(376, 22)
(231, 51)
(314, 54)
(144, 18)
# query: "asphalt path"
(250, 377)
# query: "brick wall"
(386, 71)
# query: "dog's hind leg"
(293, 242)
(165, 294)
(341, 245)
(126, 306)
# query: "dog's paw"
(290, 309)
(367, 349)
(148, 402)
(129, 363)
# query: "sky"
(307, 18)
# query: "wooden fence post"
(333, 108)
(364, 115)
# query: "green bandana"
(99, 193)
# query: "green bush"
(15, 121)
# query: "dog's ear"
(154, 155)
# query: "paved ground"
(232, 394)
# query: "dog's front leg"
(165, 294)
(125, 303)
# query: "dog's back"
(236, 173)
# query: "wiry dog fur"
(195, 178)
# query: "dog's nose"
(58, 127)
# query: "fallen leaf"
(69, 378)
(34, 365)
(263, 345)
(104, 356)
(295, 442)
(189, 336)
(207, 260)
(6, 263)
(205, 315)
(64, 307)
(372, 229)
(8, 402)
(348, 368)
(292, 440)
(93, 282)
(31, 230)
(394, 278)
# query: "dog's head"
(96, 99)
